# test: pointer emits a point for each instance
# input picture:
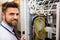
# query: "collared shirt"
(6, 35)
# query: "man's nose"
(15, 17)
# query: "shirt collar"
(7, 26)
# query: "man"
(10, 15)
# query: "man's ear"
(3, 15)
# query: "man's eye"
(11, 13)
(17, 14)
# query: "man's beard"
(10, 23)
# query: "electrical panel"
(50, 10)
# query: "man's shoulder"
(2, 30)
(3, 34)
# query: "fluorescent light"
(10, 0)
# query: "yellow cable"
(39, 34)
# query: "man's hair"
(8, 5)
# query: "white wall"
(0, 9)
